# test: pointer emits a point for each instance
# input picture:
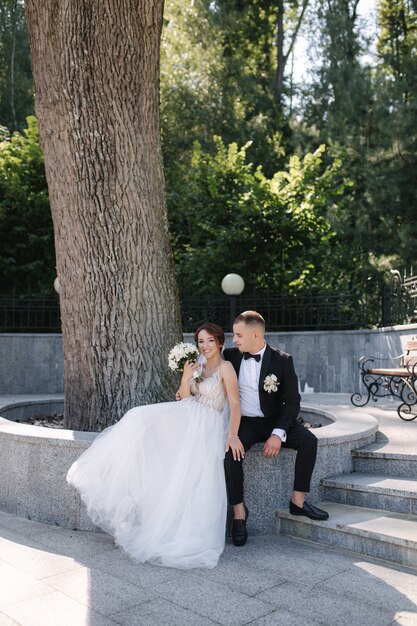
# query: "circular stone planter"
(34, 462)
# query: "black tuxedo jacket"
(284, 404)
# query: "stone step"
(374, 532)
(385, 460)
(389, 493)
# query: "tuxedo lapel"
(264, 367)
(238, 362)
(235, 357)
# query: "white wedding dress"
(155, 480)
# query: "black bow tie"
(248, 355)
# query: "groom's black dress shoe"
(308, 510)
(239, 532)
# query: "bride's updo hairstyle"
(213, 330)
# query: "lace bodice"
(209, 392)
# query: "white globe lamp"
(233, 284)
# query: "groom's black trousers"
(258, 429)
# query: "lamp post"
(233, 285)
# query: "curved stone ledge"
(34, 462)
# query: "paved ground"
(53, 576)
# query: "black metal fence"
(376, 304)
(309, 311)
(29, 314)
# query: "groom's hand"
(272, 447)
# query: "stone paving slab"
(282, 617)
(242, 577)
(357, 588)
(376, 533)
(7, 621)
(119, 564)
(387, 450)
(31, 558)
(16, 586)
(400, 528)
(212, 599)
(373, 491)
(55, 609)
(100, 590)
(374, 483)
(20, 524)
(287, 559)
(73, 543)
(272, 580)
(325, 607)
(160, 612)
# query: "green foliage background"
(292, 187)
(27, 259)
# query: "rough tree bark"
(96, 75)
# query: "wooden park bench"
(397, 381)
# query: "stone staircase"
(373, 511)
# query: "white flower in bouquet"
(271, 383)
(181, 353)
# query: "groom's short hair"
(251, 318)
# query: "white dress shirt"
(249, 373)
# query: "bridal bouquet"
(181, 353)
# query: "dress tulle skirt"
(155, 481)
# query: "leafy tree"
(27, 258)
(16, 92)
(290, 17)
(272, 231)
(226, 71)
(393, 187)
(224, 65)
(339, 109)
(367, 117)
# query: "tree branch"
(297, 28)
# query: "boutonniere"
(271, 383)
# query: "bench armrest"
(364, 362)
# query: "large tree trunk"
(96, 74)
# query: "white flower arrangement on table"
(271, 383)
(181, 353)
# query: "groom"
(270, 403)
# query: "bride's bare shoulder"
(226, 368)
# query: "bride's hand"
(233, 442)
(189, 368)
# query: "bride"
(155, 480)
